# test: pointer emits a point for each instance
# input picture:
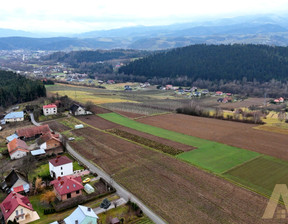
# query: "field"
(173, 189)
(213, 156)
(231, 133)
(261, 174)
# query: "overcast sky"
(87, 15)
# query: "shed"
(11, 137)
(38, 152)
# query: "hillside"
(17, 89)
(215, 62)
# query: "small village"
(60, 182)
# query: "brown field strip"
(175, 190)
(98, 122)
(231, 133)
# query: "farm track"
(231, 133)
(175, 190)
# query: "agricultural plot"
(173, 189)
(260, 174)
(213, 156)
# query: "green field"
(260, 174)
(213, 156)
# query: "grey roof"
(38, 152)
(12, 115)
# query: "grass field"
(213, 156)
(260, 174)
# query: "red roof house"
(49, 109)
(17, 148)
(32, 132)
(18, 207)
(67, 187)
(49, 141)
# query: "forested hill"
(215, 62)
(17, 89)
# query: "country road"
(121, 191)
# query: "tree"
(38, 185)
(28, 164)
(89, 105)
(48, 196)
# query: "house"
(14, 117)
(18, 207)
(76, 110)
(205, 91)
(49, 109)
(32, 132)
(127, 87)
(110, 82)
(38, 152)
(15, 182)
(67, 187)
(81, 215)
(17, 148)
(219, 93)
(60, 166)
(168, 87)
(49, 141)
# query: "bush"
(49, 211)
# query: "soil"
(99, 110)
(55, 126)
(178, 192)
(128, 114)
(228, 132)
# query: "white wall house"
(14, 117)
(49, 109)
(60, 166)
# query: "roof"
(115, 220)
(12, 201)
(67, 184)
(60, 160)
(75, 107)
(80, 213)
(13, 177)
(49, 106)
(17, 144)
(32, 131)
(48, 136)
(38, 152)
(11, 137)
(18, 189)
(13, 115)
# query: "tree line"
(18, 89)
(214, 62)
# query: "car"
(71, 139)
(87, 180)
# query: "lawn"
(260, 174)
(212, 156)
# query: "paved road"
(121, 191)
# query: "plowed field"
(231, 133)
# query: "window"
(77, 192)
(21, 210)
(17, 212)
(69, 195)
(61, 173)
(61, 168)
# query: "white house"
(49, 109)
(78, 110)
(82, 214)
(60, 166)
(17, 148)
(14, 117)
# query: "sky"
(70, 16)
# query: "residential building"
(17, 148)
(60, 166)
(77, 110)
(18, 207)
(67, 187)
(14, 117)
(49, 141)
(49, 109)
(81, 215)
(15, 182)
(32, 132)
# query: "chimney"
(62, 182)
(59, 178)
